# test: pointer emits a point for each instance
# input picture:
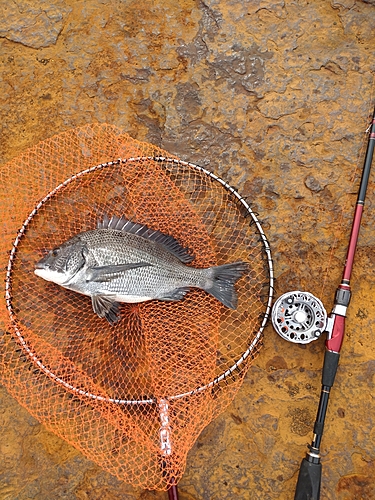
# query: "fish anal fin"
(165, 240)
(106, 307)
(106, 273)
(175, 295)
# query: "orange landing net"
(132, 397)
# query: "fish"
(122, 261)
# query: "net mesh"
(135, 396)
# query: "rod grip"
(309, 479)
(331, 361)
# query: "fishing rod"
(300, 317)
(173, 492)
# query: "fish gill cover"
(133, 396)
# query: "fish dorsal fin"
(127, 226)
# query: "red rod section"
(173, 492)
(353, 243)
(343, 292)
(337, 335)
(359, 206)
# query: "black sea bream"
(122, 261)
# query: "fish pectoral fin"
(106, 273)
(175, 294)
(106, 307)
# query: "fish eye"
(55, 252)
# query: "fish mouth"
(49, 275)
(40, 265)
(40, 271)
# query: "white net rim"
(223, 376)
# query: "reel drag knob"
(299, 317)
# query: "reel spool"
(299, 317)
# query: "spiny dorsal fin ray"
(167, 241)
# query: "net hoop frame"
(223, 376)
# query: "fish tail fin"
(222, 280)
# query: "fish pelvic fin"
(165, 240)
(106, 307)
(222, 280)
(106, 273)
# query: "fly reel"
(299, 317)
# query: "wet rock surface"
(274, 96)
